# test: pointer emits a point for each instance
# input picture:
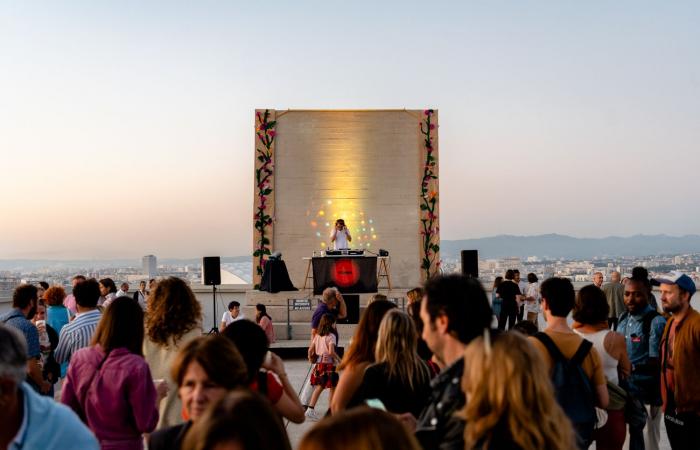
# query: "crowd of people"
(137, 370)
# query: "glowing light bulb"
(321, 213)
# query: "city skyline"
(128, 129)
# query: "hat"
(682, 280)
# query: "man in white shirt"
(232, 315)
(123, 290)
(340, 236)
(140, 295)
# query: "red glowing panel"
(346, 273)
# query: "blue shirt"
(76, 335)
(50, 425)
(322, 309)
(16, 319)
(640, 348)
(57, 317)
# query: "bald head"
(615, 276)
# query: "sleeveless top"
(609, 363)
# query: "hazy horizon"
(127, 128)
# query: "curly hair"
(508, 389)
(172, 311)
(54, 296)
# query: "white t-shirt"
(341, 238)
(322, 346)
(229, 320)
(532, 290)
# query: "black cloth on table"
(275, 277)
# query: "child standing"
(323, 374)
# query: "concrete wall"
(358, 165)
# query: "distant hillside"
(560, 246)
(32, 264)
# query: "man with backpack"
(577, 372)
(643, 328)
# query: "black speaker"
(470, 263)
(352, 304)
(211, 270)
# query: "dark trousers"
(521, 313)
(509, 311)
(683, 431)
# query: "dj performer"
(340, 236)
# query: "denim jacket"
(438, 427)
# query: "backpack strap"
(552, 348)
(12, 316)
(557, 355)
(582, 352)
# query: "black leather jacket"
(438, 427)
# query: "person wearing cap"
(680, 362)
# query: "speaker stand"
(214, 329)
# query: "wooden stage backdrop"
(377, 169)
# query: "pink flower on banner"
(438, 264)
(272, 133)
(432, 126)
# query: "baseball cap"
(682, 280)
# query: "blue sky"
(126, 127)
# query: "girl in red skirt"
(323, 374)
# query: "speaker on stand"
(211, 276)
(470, 263)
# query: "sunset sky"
(126, 128)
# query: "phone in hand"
(375, 403)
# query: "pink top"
(118, 402)
(69, 302)
(266, 325)
(322, 346)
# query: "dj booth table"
(351, 274)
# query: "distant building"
(150, 268)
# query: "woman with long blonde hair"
(399, 378)
(510, 398)
(360, 354)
